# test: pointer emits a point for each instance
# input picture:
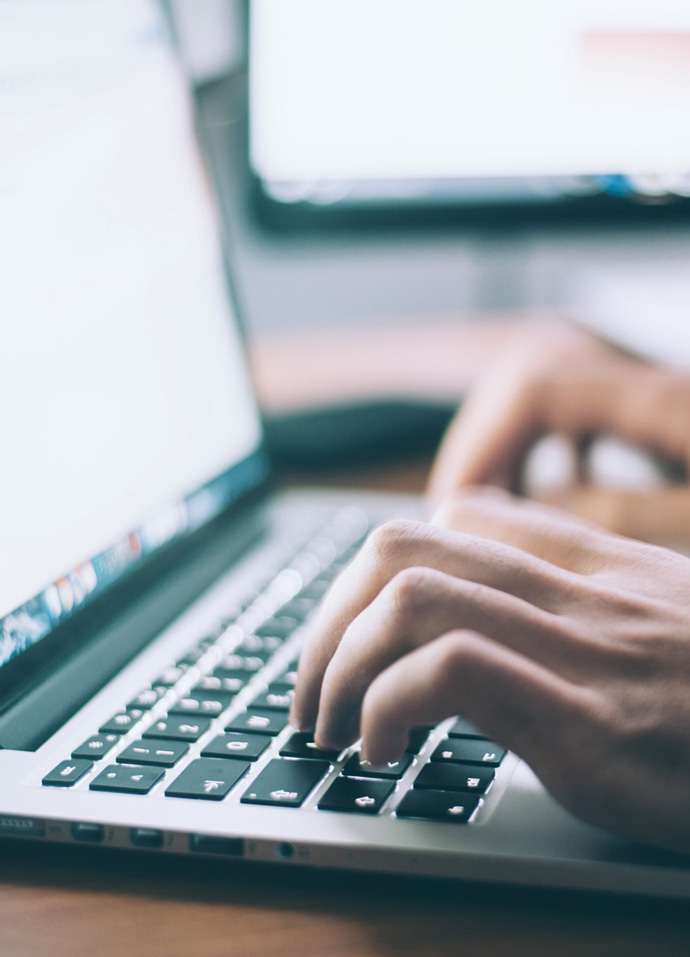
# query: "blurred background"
(399, 178)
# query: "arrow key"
(355, 796)
(208, 779)
(285, 782)
(128, 779)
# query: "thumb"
(661, 516)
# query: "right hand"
(557, 378)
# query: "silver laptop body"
(154, 591)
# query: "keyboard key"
(235, 665)
(202, 702)
(147, 698)
(178, 728)
(266, 722)
(297, 608)
(356, 767)
(121, 723)
(96, 746)
(316, 589)
(301, 745)
(285, 681)
(281, 628)
(207, 779)
(438, 806)
(226, 685)
(192, 656)
(274, 700)
(355, 796)
(67, 773)
(465, 729)
(417, 739)
(148, 752)
(285, 783)
(454, 777)
(469, 751)
(237, 745)
(127, 779)
(263, 648)
(170, 676)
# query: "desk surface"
(62, 901)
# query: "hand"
(555, 378)
(564, 643)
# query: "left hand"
(565, 643)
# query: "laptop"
(154, 588)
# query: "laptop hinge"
(45, 707)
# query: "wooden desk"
(66, 901)
(63, 901)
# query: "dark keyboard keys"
(297, 608)
(263, 648)
(280, 628)
(226, 685)
(285, 783)
(448, 806)
(170, 676)
(126, 779)
(192, 656)
(301, 745)
(465, 729)
(178, 728)
(67, 773)
(121, 723)
(202, 702)
(454, 777)
(149, 752)
(147, 698)
(356, 796)
(394, 770)
(274, 700)
(316, 588)
(236, 665)
(234, 744)
(284, 681)
(417, 739)
(264, 722)
(207, 779)
(96, 746)
(469, 751)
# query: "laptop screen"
(127, 417)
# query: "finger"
(515, 701)
(414, 608)
(399, 545)
(661, 516)
(525, 398)
(490, 437)
(542, 530)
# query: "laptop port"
(146, 837)
(208, 844)
(88, 833)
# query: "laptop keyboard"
(214, 724)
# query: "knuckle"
(410, 592)
(390, 540)
(454, 658)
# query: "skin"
(557, 378)
(564, 642)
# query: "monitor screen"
(385, 98)
(126, 412)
